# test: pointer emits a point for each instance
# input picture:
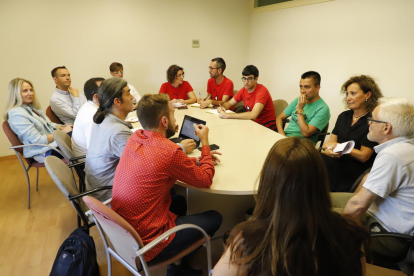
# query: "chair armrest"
(106, 202)
(393, 235)
(43, 145)
(77, 158)
(319, 134)
(164, 235)
(90, 192)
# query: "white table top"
(244, 145)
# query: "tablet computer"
(187, 130)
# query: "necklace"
(357, 117)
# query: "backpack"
(76, 256)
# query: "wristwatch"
(299, 111)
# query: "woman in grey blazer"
(28, 121)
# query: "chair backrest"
(64, 143)
(321, 138)
(279, 106)
(122, 235)
(52, 116)
(63, 178)
(14, 140)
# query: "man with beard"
(149, 167)
(66, 100)
(219, 88)
(257, 101)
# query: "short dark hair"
(91, 88)
(151, 108)
(115, 66)
(108, 91)
(57, 68)
(314, 75)
(250, 70)
(220, 63)
(172, 72)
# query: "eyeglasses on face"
(211, 68)
(370, 120)
(247, 79)
(118, 72)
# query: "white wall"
(338, 39)
(145, 36)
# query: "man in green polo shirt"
(309, 114)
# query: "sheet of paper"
(345, 147)
(214, 111)
(132, 119)
(198, 105)
(178, 104)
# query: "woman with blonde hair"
(28, 121)
(293, 230)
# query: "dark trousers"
(209, 221)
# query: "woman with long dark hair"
(293, 230)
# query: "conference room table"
(244, 145)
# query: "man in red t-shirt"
(219, 88)
(257, 101)
(149, 166)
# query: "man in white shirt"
(386, 199)
(66, 100)
(117, 71)
(82, 129)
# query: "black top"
(357, 132)
(345, 170)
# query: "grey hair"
(14, 97)
(399, 112)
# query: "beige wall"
(338, 39)
(146, 36)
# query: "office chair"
(52, 116)
(127, 244)
(77, 162)
(17, 146)
(61, 175)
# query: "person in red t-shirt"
(179, 90)
(257, 101)
(219, 88)
(149, 166)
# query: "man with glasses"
(256, 98)
(117, 71)
(308, 113)
(219, 88)
(385, 203)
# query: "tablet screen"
(187, 128)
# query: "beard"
(170, 131)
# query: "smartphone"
(212, 147)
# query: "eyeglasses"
(118, 72)
(179, 76)
(211, 68)
(370, 120)
(247, 79)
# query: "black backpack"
(76, 256)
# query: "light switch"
(196, 43)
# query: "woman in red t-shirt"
(179, 90)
